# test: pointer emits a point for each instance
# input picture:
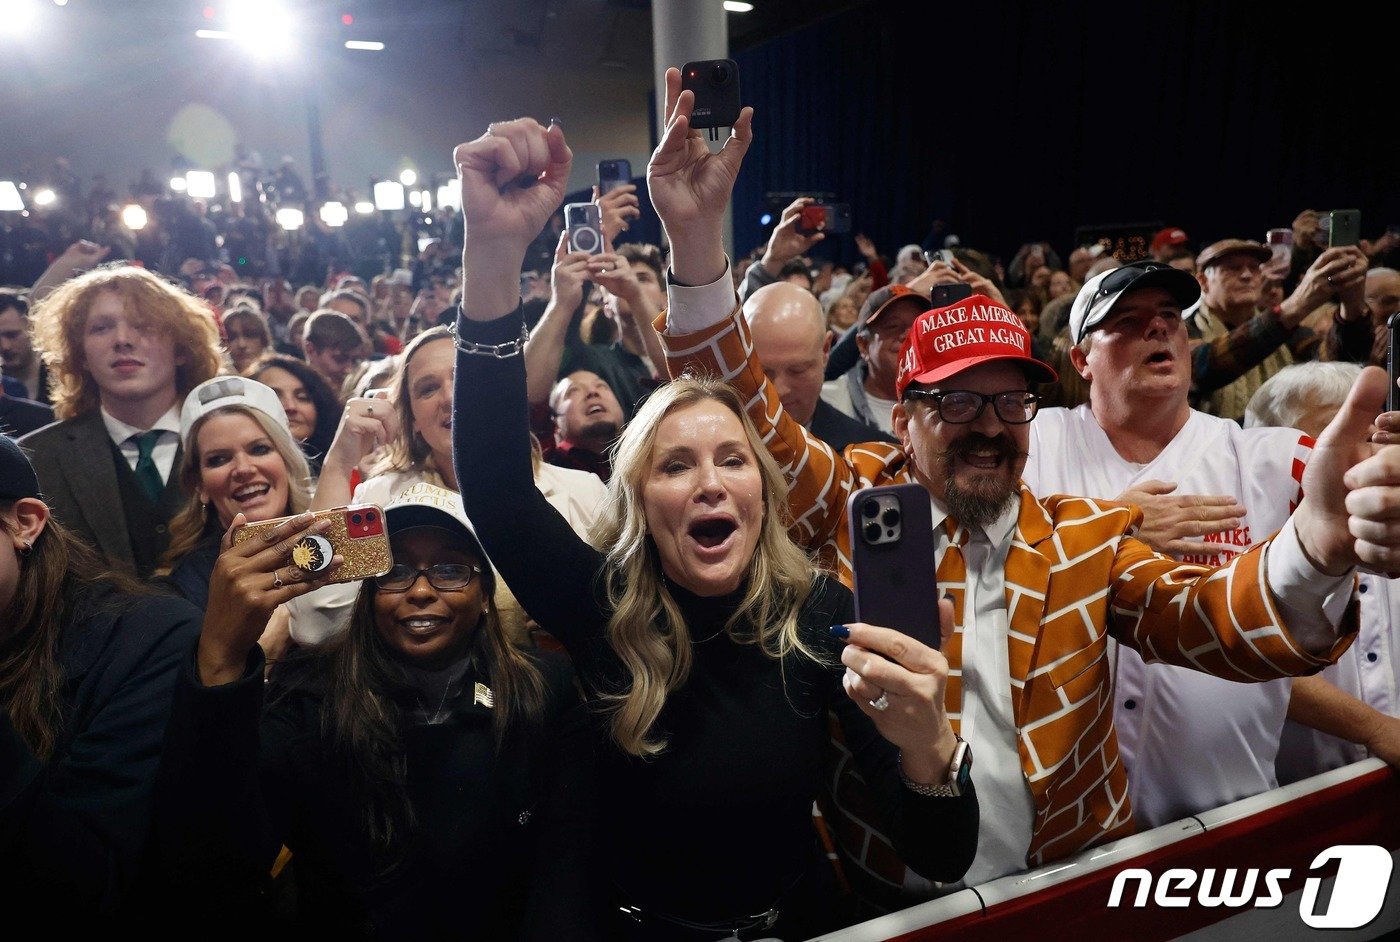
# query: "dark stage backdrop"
(1020, 121)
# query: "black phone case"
(896, 583)
(613, 173)
(944, 295)
(1346, 227)
(717, 104)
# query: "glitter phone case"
(356, 533)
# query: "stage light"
(366, 45)
(334, 214)
(265, 26)
(364, 207)
(200, 184)
(235, 188)
(133, 217)
(16, 16)
(408, 177)
(347, 19)
(177, 184)
(427, 200)
(208, 13)
(737, 6)
(450, 194)
(213, 34)
(290, 219)
(765, 219)
(10, 201)
(44, 197)
(388, 194)
(415, 198)
(60, 3)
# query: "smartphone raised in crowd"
(893, 564)
(584, 223)
(613, 174)
(944, 295)
(715, 83)
(824, 217)
(1392, 365)
(1345, 228)
(357, 533)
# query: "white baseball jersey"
(1369, 670)
(1190, 742)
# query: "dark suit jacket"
(73, 460)
(838, 429)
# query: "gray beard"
(977, 506)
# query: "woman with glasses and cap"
(429, 779)
(239, 458)
(88, 661)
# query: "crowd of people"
(611, 683)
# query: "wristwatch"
(959, 775)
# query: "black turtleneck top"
(719, 825)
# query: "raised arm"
(513, 178)
(545, 349)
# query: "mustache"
(976, 441)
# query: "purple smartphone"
(892, 560)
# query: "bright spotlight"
(408, 177)
(44, 197)
(60, 3)
(388, 195)
(737, 6)
(364, 45)
(10, 201)
(450, 194)
(200, 184)
(334, 214)
(235, 188)
(427, 200)
(16, 17)
(133, 217)
(177, 184)
(213, 34)
(289, 218)
(264, 25)
(415, 198)
(765, 219)
(364, 207)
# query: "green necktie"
(147, 474)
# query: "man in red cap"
(1173, 247)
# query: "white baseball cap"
(224, 391)
(1096, 299)
(427, 505)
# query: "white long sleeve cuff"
(691, 309)
(1311, 601)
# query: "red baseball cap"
(975, 330)
(1165, 238)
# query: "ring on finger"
(882, 702)
(277, 582)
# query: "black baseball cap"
(17, 477)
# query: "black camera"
(715, 83)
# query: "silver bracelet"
(499, 351)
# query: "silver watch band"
(499, 351)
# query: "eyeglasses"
(960, 406)
(444, 577)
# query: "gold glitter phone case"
(356, 533)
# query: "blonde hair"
(188, 526)
(60, 321)
(408, 452)
(647, 629)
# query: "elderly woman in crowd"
(701, 632)
(87, 665)
(429, 779)
(239, 458)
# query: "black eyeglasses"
(443, 576)
(960, 406)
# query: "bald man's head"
(790, 338)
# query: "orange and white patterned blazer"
(1074, 576)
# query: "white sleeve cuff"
(1311, 602)
(693, 309)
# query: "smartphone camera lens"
(872, 532)
(870, 509)
(354, 518)
(369, 517)
(720, 74)
(890, 517)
